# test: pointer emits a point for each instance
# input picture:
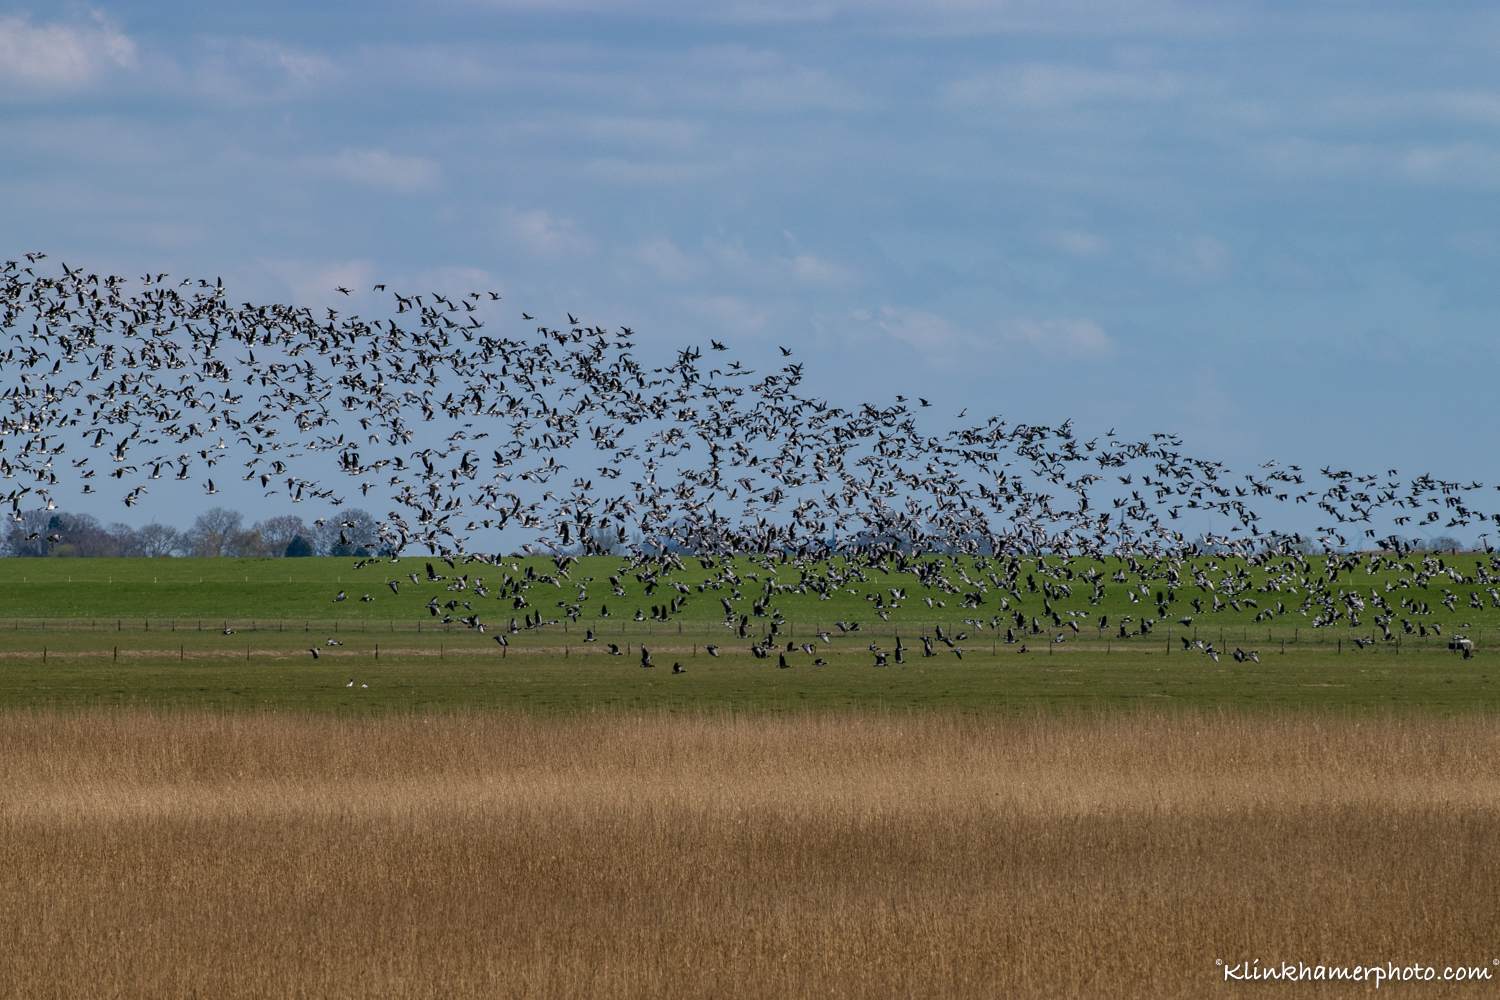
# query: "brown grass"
(146, 855)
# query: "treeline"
(222, 532)
(217, 532)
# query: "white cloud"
(61, 57)
(1197, 260)
(1074, 339)
(436, 65)
(543, 234)
(1304, 272)
(316, 283)
(798, 89)
(726, 314)
(816, 272)
(380, 170)
(945, 344)
(170, 234)
(777, 271)
(1480, 106)
(249, 72)
(299, 67)
(772, 13)
(1057, 86)
(666, 261)
(939, 340)
(1075, 242)
(651, 134)
(1469, 164)
(1300, 158)
(760, 81)
(924, 17)
(656, 173)
(723, 263)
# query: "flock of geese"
(1036, 598)
(569, 436)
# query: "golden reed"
(501, 855)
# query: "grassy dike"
(151, 632)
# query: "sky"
(1269, 228)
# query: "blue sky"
(1270, 228)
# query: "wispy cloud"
(667, 262)
(946, 344)
(1076, 243)
(542, 233)
(927, 17)
(645, 134)
(1194, 260)
(1070, 339)
(1462, 164)
(379, 169)
(244, 72)
(316, 283)
(1044, 86)
(727, 314)
(298, 66)
(801, 268)
(57, 56)
(1014, 181)
(939, 341)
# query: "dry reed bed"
(493, 855)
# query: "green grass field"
(152, 632)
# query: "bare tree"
(247, 545)
(44, 533)
(157, 541)
(276, 533)
(353, 531)
(85, 536)
(214, 531)
(125, 540)
(27, 536)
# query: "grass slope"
(151, 631)
(305, 588)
